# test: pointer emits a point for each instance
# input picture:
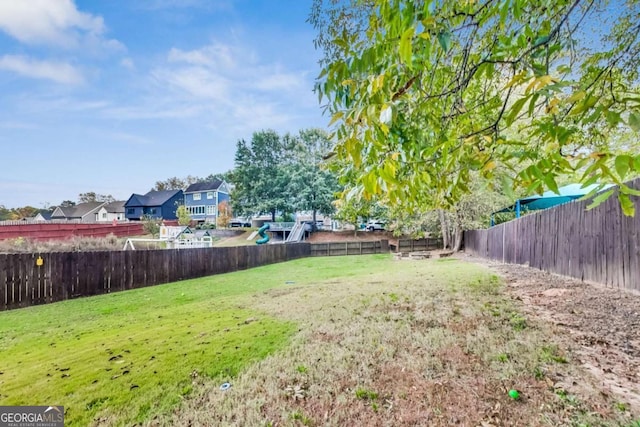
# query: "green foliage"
(426, 95)
(91, 196)
(274, 173)
(151, 225)
(183, 215)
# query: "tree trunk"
(444, 228)
(457, 244)
(273, 216)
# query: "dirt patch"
(600, 325)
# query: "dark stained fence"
(600, 245)
(349, 248)
(412, 245)
(32, 279)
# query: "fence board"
(600, 245)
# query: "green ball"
(514, 394)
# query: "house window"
(211, 210)
(210, 195)
(104, 215)
(131, 211)
(195, 210)
(197, 196)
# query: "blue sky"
(112, 96)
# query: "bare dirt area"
(600, 325)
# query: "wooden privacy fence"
(412, 245)
(31, 279)
(349, 248)
(601, 245)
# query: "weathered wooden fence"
(349, 248)
(31, 279)
(413, 245)
(600, 245)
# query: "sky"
(112, 96)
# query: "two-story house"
(202, 199)
(113, 211)
(84, 212)
(154, 204)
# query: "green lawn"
(360, 340)
(132, 355)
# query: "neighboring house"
(85, 212)
(113, 211)
(42, 216)
(202, 199)
(154, 204)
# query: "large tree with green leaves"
(314, 185)
(426, 94)
(260, 178)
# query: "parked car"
(240, 222)
(375, 225)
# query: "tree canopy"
(276, 173)
(426, 94)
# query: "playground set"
(175, 237)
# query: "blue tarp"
(549, 199)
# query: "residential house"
(154, 204)
(202, 199)
(43, 216)
(84, 212)
(113, 211)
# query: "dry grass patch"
(423, 343)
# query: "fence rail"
(32, 279)
(349, 248)
(411, 245)
(600, 245)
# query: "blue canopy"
(550, 199)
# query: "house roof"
(44, 214)
(204, 186)
(152, 198)
(549, 199)
(115, 207)
(79, 210)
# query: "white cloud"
(216, 55)
(59, 72)
(128, 63)
(52, 22)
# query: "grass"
(319, 341)
(406, 343)
(126, 357)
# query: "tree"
(67, 203)
(425, 95)
(93, 197)
(224, 176)
(175, 183)
(224, 214)
(183, 215)
(314, 185)
(261, 178)
(151, 225)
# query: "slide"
(263, 234)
